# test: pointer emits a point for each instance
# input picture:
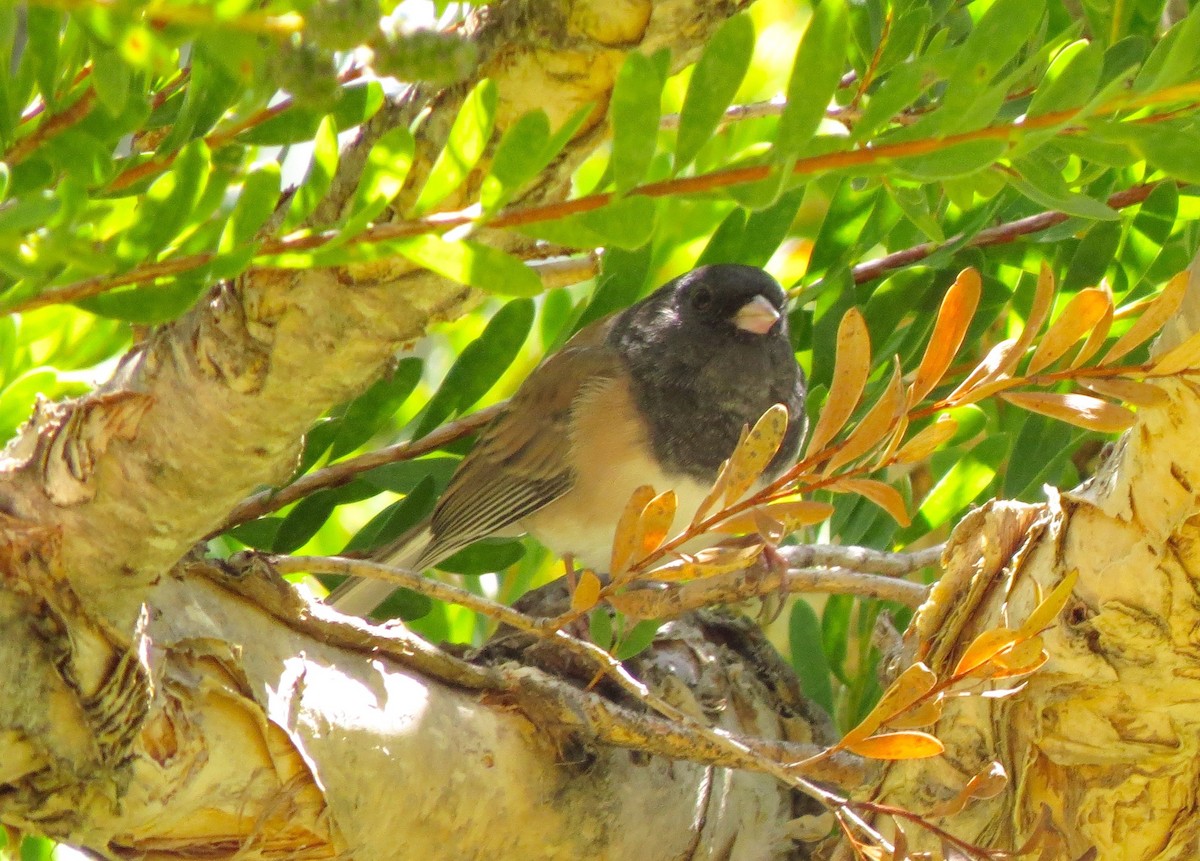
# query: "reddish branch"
(998, 235)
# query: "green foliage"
(139, 164)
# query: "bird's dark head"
(729, 299)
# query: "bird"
(657, 394)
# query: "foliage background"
(147, 149)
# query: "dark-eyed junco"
(656, 394)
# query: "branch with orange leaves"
(644, 549)
(520, 216)
(685, 737)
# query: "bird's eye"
(702, 298)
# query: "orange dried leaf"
(717, 490)
(655, 522)
(1080, 410)
(1157, 313)
(924, 714)
(1083, 312)
(1129, 391)
(1096, 339)
(909, 687)
(958, 307)
(1182, 357)
(984, 648)
(923, 444)
(789, 515)
(907, 744)
(997, 364)
(587, 592)
(988, 783)
(639, 605)
(883, 495)
(754, 453)
(625, 539)
(710, 562)
(1048, 609)
(851, 367)
(983, 391)
(1039, 312)
(884, 414)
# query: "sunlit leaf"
(625, 539)
(655, 522)
(926, 442)
(465, 145)
(883, 417)
(987, 783)
(587, 592)
(1049, 608)
(715, 80)
(755, 452)
(954, 316)
(1080, 410)
(1129, 391)
(883, 495)
(984, 648)
(1083, 312)
(852, 365)
(905, 744)
(1165, 305)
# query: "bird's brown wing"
(523, 459)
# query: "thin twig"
(345, 471)
(50, 127)
(605, 663)
(863, 559)
(659, 601)
(998, 235)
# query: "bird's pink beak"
(756, 316)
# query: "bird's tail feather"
(359, 597)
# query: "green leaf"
(715, 81)
(320, 174)
(167, 204)
(472, 263)
(518, 158)
(637, 639)
(634, 112)
(484, 557)
(1092, 256)
(956, 159)
(255, 204)
(808, 655)
(1173, 151)
(469, 137)
(1069, 82)
(395, 520)
(259, 534)
(816, 73)
(993, 43)
(403, 476)
(480, 365)
(383, 176)
(359, 102)
(622, 280)
(376, 405)
(111, 79)
(1173, 58)
(899, 90)
(1038, 180)
(523, 152)
(626, 223)
(600, 627)
(972, 473)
